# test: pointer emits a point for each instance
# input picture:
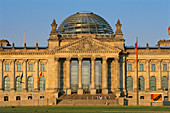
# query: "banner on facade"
(156, 97)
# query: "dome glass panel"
(84, 23)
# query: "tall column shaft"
(1, 75)
(80, 73)
(124, 73)
(169, 81)
(117, 74)
(80, 90)
(104, 76)
(92, 73)
(56, 74)
(68, 72)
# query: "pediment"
(88, 44)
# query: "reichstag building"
(84, 56)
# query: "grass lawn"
(81, 109)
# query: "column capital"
(37, 60)
(104, 58)
(25, 60)
(13, 60)
(68, 58)
(93, 58)
(56, 58)
(159, 60)
(80, 58)
(148, 60)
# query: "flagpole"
(136, 47)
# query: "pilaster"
(25, 75)
(36, 86)
(159, 75)
(148, 75)
(13, 75)
(124, 72)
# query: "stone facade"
(56, 61)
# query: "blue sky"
(147, 19)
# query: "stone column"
(93, 90)
(104, 76)
(1, 75)
(159, 75)
(80, 90)
(25, 75)
(13, 75)
(56, 74)
(148, 75)
(124, 72)
(117, 77)
(169, 81)
(68, 76)
(36, 83)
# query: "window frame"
(42, 67)
(141, 67)
(6, 67)
(164, 67)
(7, 83)
(129, 83)
(153, 67)
(129, 67)
(153, 83)
(18, 67)
(30, 67)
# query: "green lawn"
(80, 109)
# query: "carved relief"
(87, 45)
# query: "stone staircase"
(87, 100)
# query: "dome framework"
(84, 23)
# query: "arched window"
(153, 83)
(129, 83)
(42, 84)
(7, 83)
(164, 83)
(30, 83)
(141, 83)
(18, 84)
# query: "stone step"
(80, 102)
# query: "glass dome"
(84, 23)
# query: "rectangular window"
(153, 67)
(129, 67)
(164, 67)
(30, 67)
(18, 67)
(6, 67)
(42, 67)
(141, 67)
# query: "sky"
(146, 19)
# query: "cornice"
(27, 53)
